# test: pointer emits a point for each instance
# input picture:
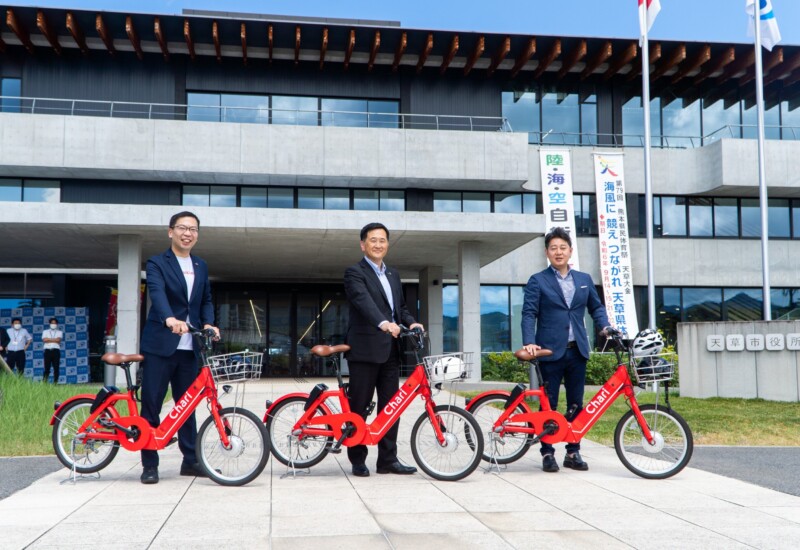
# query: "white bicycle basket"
(236, 367)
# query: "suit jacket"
(368, 307)
(546, 318)
(166, 286)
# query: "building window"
(726, 217)
(244, 108)
(344, 112)
(209, 195)
(203, 107)
(253, 197)
(701, 217)
(495, 318)
(19, 190)
(446, 201)
(295, 111)
(280, 197)
(561, 121)
(508, 203)
(310, 199)
(522, 110)
(10, 190)
(743, 304)
(585, 214)
(10, 88)
(633, 122)
(450, 318)
(393, 200)
(337, 199)
(702, 304)
(772, 122)
(366, 199)
(681, 125)
(476, 202)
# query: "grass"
(715, 420)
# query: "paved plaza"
(521, 507)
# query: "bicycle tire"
(309, 450)
(97, 454)
(447, 462)
(509, 447)
(247, 455)
(670, 454)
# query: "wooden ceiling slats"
(523, 57)
(451, 53)
(47, 31)
(499, 55)
(476, 54)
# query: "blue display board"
(73, 322)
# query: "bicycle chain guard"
(139, 424)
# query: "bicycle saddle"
(523, 355)
(325, 351)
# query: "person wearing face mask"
(18, 341)
(52, 350)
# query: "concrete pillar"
(469, 303)
(431, 313)
(129, 280)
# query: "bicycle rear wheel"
(247, 455)
(462, 449)
(286, 447)
(671, 450)
(506, 448)
(87, 455)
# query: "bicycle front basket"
(236, 367)
(654, 368)
(449, 367)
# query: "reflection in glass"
(310, 198)
(203, 107)
(495, 319)
(476, 202)
(673, 216)
(446, 201)
(508, 203)
(517, 299)
(450, 318)
(366, 199)
(743, 304)
(307, 329)
(242, 318)
(344, 112)
(777, 218)
(521, 109)
(785, 304)
(700, 217)
(195, 195)
(726, 217)
(751, 218)
(222, 195)
(532, 203)
(796, 218)
(10, 190)
(280, 347)
(772, 123)
(393, 200)
(41, 191)
(589, 120)
(280, 197)
(10, 88)
(668, 312)
(702, 304)
(560, 118)
(681, 124)
(254, 197)
(299, 111)
(333, 324)
(337, 199)
(790, 120)
(245, 108)
(633, 122)
(719, 122)
(383, 114)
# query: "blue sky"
(712, 20)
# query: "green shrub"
(503, 367)
(599, 368)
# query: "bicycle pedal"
(171, 441)
(336, 451)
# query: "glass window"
(790, 120)
(450, 318)
(796, 219)
(751, 218)
(10, 190)
(702, 304)
(589, 120)
(778, 218)
(280, 197)
(743, 304)
(681, 124)
(446, 201)
(383, 114)
(508, 203)
(310, 198)
(700, 217)
(245, 108)
(785, 304)
(393, 200)
(532, 203)
(726, 217)
(633, 122)
(299, 111)
(673, 216)
(203, 107)
(560, 118)
(495, 319)
(195, 195)
(477, 202)
(668, 311)
(585, 214)
(337, 199)
(254, 197)
(772, 123)
(719, 122)
(222, 195)
(10, 88)
(517, 299)
(521, 109)
(41, 191)
(366, 199)
(344, 112)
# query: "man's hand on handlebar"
(215, 329)
(176, 326)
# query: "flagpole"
(762, 172)
(648, 187)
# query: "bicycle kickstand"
(73, 476)
(494, 466)
(290, 468)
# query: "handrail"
(258, 115)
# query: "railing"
(611, 140)
(252, 115)
(738, 131)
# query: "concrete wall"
(765, 374)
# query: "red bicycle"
(652, 441)
(232, 444)
(304, 427)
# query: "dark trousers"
(178, 371)
(572, 369)
(16, 360)
(52, 358)
(365, 378)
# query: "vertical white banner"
(557, 203)
(615, 259)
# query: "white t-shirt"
(52, 333)
(188, 273)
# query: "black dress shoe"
(193, 470)
(396, 468)
(575, 462)
(149, 476)
(360, 470)
(549, 463)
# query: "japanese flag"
(648, 10)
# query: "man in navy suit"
(180, 294)
(377, 308)
(556, 300)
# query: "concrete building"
(287, 135)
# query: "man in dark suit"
(180, 294)
(377, 308)
(556, 300)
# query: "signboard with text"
(557, 203)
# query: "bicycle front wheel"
(669, 453)
(246, 456)
(80, 451)
(302, 451)
(506, 448)
(461, 451)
